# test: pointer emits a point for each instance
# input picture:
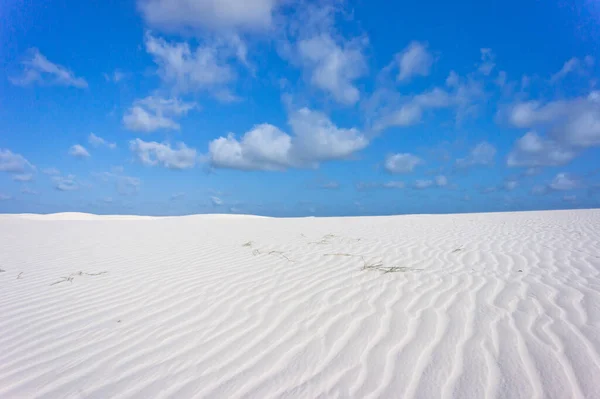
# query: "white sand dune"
(478, 306)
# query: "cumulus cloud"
(37, 69)
(389, 109)
(78, 151)
(97, 141)
(153, 113)
(574, 122)
(315, 139)
(414, 60)
(215, 15)
(482, 154)
(153, 154)
(563, 182)
(333, 67)
(569, 126)
(532, 150)
(13, 163)
(189, 70)
(401, 163)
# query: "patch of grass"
(19, 276)
(248, 244)
(457, 250)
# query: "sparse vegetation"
(325, 240)
(72, 276)
(377, 266)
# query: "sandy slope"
(484, 305)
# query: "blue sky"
(292, 108)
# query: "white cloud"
(330, 185)
(532, 150)
(23, 177)
(574, 122)
(13, 163)
(29, 191)
(37, 69)
(153, 153)
(510, 185)
(570, 198)
(97, 141)
(487, 61)
(414, 60)
(51, 171)
(78, 151)
(453, 79)
(501, 80)
(482, 154)
(219, 15)
(264, 147)
(422, 184)
(153, 113)
(401, 163)
(5, 197)
(316, 139)
(177, 196)
(187, 70)
(574, 65)
(127, 185)
(216, 201)
(394, 184)
(115, 77)
(334, 67)
(407, 111)
(441, 181)
(563, 182)
(66, 183)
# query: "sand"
(502, 305)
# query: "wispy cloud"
(37, 69)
